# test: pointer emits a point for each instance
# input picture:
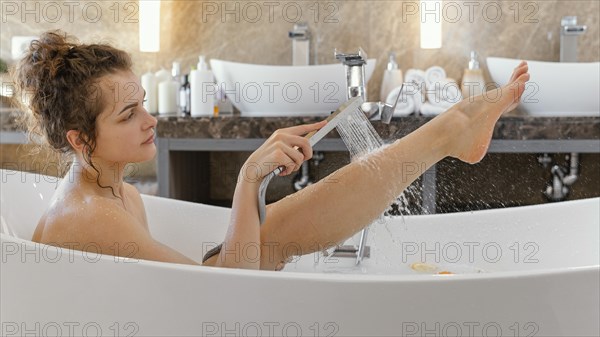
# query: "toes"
(524, 78)
(522, 68)
(520, 83)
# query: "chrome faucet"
(355, 82)
(562, 178)
(300, 36)
(355, 73)
(569, 33)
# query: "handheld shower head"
(314, 137)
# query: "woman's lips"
(149, 140)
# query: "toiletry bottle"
(202, 85)
(168, 91)
(392, 78)
(184, 95)
(167, 97)
(216, 110)
(224, 103)
(151, 87)
(472, 83)
(162, 75)
(176, 75)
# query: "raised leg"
(330, 211)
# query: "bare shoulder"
(85, 218)
(133, 193)
(106, 225)
(138, 209)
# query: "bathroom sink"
(264, 90)
(555, 89)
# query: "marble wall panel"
(256, 32)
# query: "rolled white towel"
(416, 76)
(407, 103)
(415, 81)
(428, 109)
(434, 74)
(444, 93)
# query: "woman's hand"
(286, 147)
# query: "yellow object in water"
(423, 267)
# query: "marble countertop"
(512, 127)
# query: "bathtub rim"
(353, 277)
(321, 277)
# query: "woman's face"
(125, 130)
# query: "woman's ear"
(75, 140)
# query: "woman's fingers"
(301, 143)
(294, 148)
(293, 160)
(300, 130)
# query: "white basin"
(555, 89)
(263, 90)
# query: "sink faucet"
(300, 36)
(569, 33)
(355, 82)
(563, 178)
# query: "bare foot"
(473, 119)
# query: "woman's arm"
(286, 147)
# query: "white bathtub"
(540, 277)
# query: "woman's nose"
(151, 121)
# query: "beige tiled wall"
(256, 32)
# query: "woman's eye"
(129, 116)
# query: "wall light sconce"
(431, 24)
(149, 21)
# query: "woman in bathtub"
(84, 100)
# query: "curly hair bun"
(50, 52)
(55, 82)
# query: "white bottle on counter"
(162, 75)
(202, 87)
(176, 76)
(472, 83)
(167, 97)
(392, 78)
(151, 86)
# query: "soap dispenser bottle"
(392, 78)
(472, 83)
(184, 95)
(168, 91)
(202, 85)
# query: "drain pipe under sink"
(562, 178)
